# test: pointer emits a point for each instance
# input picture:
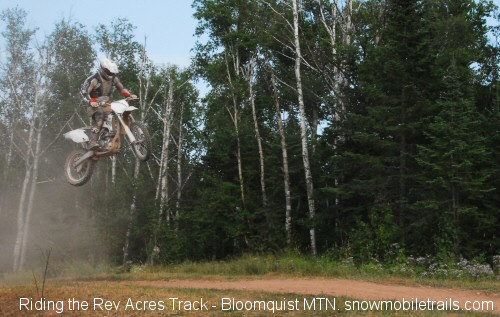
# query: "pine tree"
(454, 178)
(382, 123)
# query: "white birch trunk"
(240, 165)
(133, 206)
(31, 198)
(303, 128)
(14, 119)
(33, 154)
(133, 210)
(286, 174)
(347, 41)
(11, 145)
(348, 19)
(250, 74)
(340, 80)
(235, 118)
(338, 77)
(179, 165)
(21, 212)
(20, 218)
(164, 168)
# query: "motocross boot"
(95, 135)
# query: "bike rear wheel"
(79, 175)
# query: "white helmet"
(108, 68)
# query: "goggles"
(108, 72)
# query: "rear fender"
(77, 136)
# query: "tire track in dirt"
(361, 290)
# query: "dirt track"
(361, 290)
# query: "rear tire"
(77, 176)
(142, 149)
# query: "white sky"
(168, 24)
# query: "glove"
(94, 103)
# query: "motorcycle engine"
(105, 138)
(107, 134)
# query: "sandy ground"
(361, 290)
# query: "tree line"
(338, 128)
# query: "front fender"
(77, 136)
(121, 106)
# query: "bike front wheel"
(142, 146)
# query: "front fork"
(130, 136)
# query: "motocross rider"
(96, 92)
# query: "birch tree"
(38, 120)
(249, 73)
(293, 44)
(18, 66)
(235, 114)
(284, 154)
(225, 24)
(18, 81)
(163, 188)
(148, 94)
(303, 127)
(337, 21)
(180, 144)
(174, 104)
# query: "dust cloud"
(62, 221)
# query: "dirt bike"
(80, 162)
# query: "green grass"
(257, 266)
(295, 265)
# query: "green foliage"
(374, 239)
(402, 107)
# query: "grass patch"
(258, 266)
(296, 265)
